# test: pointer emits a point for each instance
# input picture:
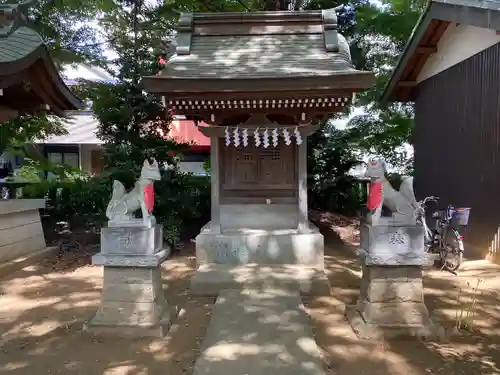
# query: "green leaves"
(377, 43)
(383, 132)
(15, 133)
(68, 28)
(133, 124)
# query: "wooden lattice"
(254, 167)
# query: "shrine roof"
(258, 51)
(27, 73)
(18, 44)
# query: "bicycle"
(444, 239)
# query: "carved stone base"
(391, 304)
(132, 304)
(393, 246)
(133, 222)
(131, 247)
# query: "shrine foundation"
(133, 302)
(391, 298)
(273, 246)
(260, 234)
(260, 246)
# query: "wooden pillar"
(215, 184)
(302, 188)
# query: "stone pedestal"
(391, 299)
(133, 303)
(250, 258)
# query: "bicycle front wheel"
(451, 258)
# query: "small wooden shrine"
(29, 81)
(261, 80)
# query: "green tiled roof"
(22, 47)
(19, 44)
(260, 56)
(258, 51)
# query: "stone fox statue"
(402, 203)
(123, 205)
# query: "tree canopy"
(127, 38)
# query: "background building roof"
(431, 26)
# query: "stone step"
(211, 279)
(259, 333)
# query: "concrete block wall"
(21, 232)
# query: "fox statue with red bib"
(122, 206)
(402, 203)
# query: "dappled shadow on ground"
(260, 332)
(475, 352)
(42, 311)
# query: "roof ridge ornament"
(184, 34)
(330, 27)
(13, 16)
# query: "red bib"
(149, 197)
(374, 195)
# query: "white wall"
(458, 43)
(195, 167)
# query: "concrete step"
(259, 333)
(211, 279)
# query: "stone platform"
(259, 333)
(211, 279)
(391, 304)
(260, 246)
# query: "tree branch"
(244, 5)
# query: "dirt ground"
(43, 307)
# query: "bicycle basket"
(461, 216)
(443, 215)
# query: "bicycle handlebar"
(429, 199)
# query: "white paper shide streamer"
(275, 137)
(236, 137)
(256, 137)
(264, 138)
(265, 135)
(286, 136)
(298, 137)
(228, 136)
(245, 137)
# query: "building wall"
(87, 161)
(458, 43)
(194, 167)
(92, 164)
(457, 141)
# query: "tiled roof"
(19, 44)
(260, 56)
(82, 129)
(253, 52)
(22, 48)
